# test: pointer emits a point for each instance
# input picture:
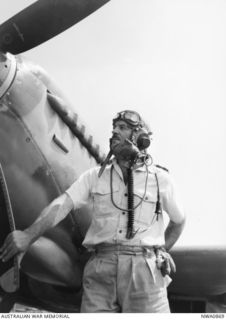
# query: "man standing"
(129, 267)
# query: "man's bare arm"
(19, 241)
(173, 232)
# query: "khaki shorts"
(124, 281)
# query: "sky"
(165, 59)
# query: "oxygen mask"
(124, 150)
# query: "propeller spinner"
(42, 21)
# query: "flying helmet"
(141, 131)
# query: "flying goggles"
(130, 117)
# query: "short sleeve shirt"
(109, 201)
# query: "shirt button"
(120, 231)
(123, 212)
(125, 194)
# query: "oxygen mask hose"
(130, 227)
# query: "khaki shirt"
(109, 223)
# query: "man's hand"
(164, 262)
(15, 243)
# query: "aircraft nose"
(7, 72)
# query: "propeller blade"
(42, 21)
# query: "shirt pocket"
(102, 202)
(146, 206)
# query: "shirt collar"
(117, 168)
(151, 168)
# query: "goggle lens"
(133, 117)
(130, 116)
